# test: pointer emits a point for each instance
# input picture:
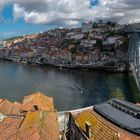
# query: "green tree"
(73, 50)
(113, 24)
(99, 43)
(108, 23)
(117, 94)
(111, 33)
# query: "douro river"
(70, 89)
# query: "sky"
(20, 17)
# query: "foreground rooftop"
(121, 113)
(34, 119)
(111, 120)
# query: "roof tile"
(99, 130)
(38, 99)
(5, 107)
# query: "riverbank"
(91, 67)
(120, 69)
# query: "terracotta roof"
(39, 125)
(1, 100)
(29, 127)
(49, 129)
(9, 128)
(99, 129)
(9, 108)
(5, 107)
(16, 108)
(38, 99)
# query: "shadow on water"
(132, 93)
(98, 90)
(102, 88)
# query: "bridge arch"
(134, 56)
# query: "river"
(70, 89)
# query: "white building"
(132, 27)
(69, 34)
(87, 27)
(87, 43)
(98, 30)
(77, 36)
(110, 40)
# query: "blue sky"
(94, 2)
(9, 27)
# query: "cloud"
(125, 11)
(71, 12)
(9, 33)
(57, 12)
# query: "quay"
(123, 68)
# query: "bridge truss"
(134, 56)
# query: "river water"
(70, 89)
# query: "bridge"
(134, 56)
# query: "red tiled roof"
(39, 123)
(43, 102)
(5, 107)
(39, 126)
(1, 100)
(9, 128)
(99, 129)
(16, 108)
(49, 126)
(29, 127)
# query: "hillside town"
(94, 45)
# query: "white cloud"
(57, 12)
(125, 11)
(9, 33)
(63, 12)
(70, 12)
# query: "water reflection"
(70, 89)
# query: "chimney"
(88, 129)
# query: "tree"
(112, 24)
(108, 23)
(99, 43)
(117, 94)
(111, 33)
(73, 50)
(94, 25)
